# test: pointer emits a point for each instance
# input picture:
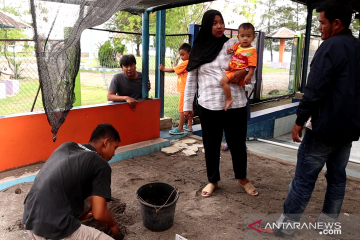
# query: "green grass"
(280, 93)
(171, 103)
(171, 108)
(23, 101)
(273, 70)
(93, 95)
(152, 66)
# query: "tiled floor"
(353, 169)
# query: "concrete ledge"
(116, 70)
(11, 181)
(261, 124)
(167, 135)
(195, 137)
(139, 149)
(299, 95)
(165, 123)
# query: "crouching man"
(73, 173)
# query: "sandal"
(249, 188)
(208, 189)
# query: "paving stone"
(180, 145)
(198, 145)
(188, 152)
(188, 141)
(174, 140)
(170, 150)
(193, 148)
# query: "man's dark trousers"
(313, 154)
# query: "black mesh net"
(57, 28)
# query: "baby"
(245, 56)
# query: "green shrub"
(108, 51)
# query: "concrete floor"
(353, 169)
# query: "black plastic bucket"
(157, 205)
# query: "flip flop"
(209, 189)
(249, 188)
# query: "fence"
(277, 80)
(19, 80)
(19, 87)
(173, 42)
(315, 42)
(21, 94)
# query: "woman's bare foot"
(266, 230)
(312, 218)
(208, 190)
(228, 103)
(243, 182)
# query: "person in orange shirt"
(244, 57)
(180, 70)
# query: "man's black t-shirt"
(56, 200)
(123, 86)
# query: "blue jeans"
(313, 154)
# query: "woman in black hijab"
(207, 65)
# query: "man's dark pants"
(313, 154)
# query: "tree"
(127, 22)
(178, 21)
(108, 53)
(11, 33)
(246, 8)
(278, 15)
(355, 27)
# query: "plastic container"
(157, 205)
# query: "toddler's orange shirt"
(180, 70)
(243, 57)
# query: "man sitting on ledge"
(126, 86)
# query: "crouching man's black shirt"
(56, 200)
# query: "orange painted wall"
(27, 139)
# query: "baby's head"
(246, 34)
(184, 51)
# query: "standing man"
(73, 173)
(126, 86)
(332, 102)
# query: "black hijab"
(206, 46)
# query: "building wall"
(26, 138)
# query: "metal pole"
(160, 57)
(260, 47)
(145, 54)
(307, 45)
(15, 69)
(298, 61)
